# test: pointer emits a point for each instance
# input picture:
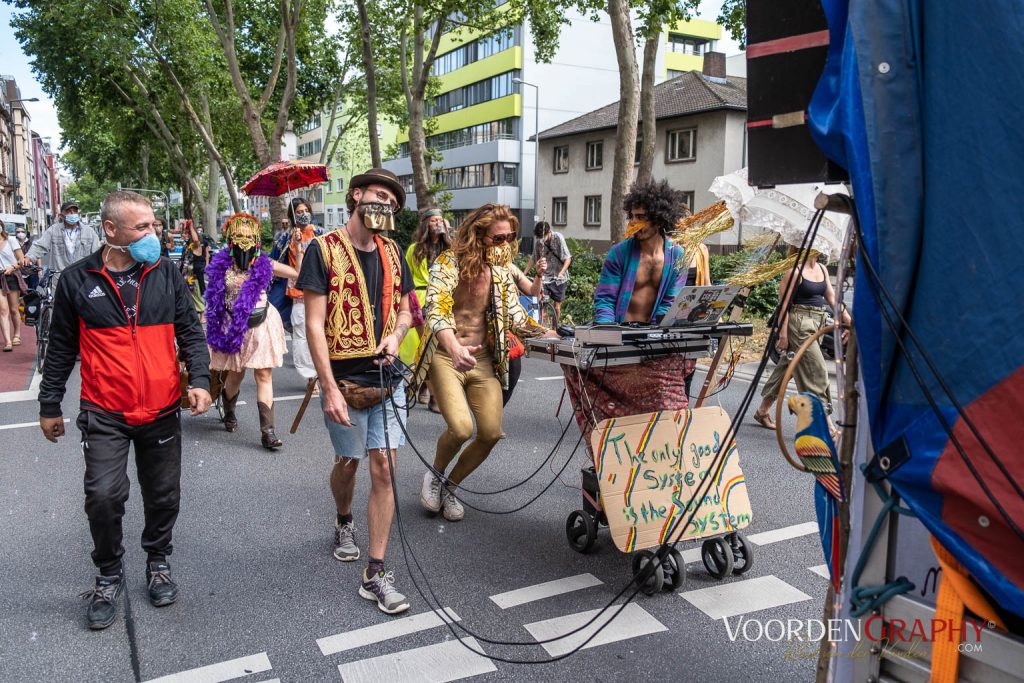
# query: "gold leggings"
(463, 396)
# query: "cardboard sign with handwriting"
(649, 467)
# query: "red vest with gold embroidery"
(349, 322)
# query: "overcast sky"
(44, 115)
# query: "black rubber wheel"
(43, 337)
(717, 557)
(675, 570)
(651, 580)
(742, 553)
(581, 531)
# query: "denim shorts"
(367, 430)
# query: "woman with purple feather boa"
(242, 329)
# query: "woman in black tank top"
(813, 298)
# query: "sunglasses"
(501, 239)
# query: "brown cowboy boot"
(230, 421)
(269, 438)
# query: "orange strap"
(956, 591)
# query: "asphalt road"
(261, 594)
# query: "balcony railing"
(468, 140)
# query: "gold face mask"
(243, 230)
(377, 216)
(633, 227)
(502, 254)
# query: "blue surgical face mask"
(145, 250)
(71, 219)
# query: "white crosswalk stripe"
(784, 534)
(741, 597)
(632, 622)
(223, 671)
(440, 663)
(394, 628)
(547, 589)
(821, 570)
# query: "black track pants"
(105, 443)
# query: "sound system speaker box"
(787, 43)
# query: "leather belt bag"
(257, 317)
(360, 397)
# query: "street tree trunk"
(371, 83)
(414, 86)
(212, 199)
(648, 132)
(266, 150)
(629, 96)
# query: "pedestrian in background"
(64, 242)
(813, 296)
(290, 248)
(430, 239)
(124, 309)
(13, 284)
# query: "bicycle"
(49, 286)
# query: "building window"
(312, 124)
(310, 148)
(688, 199)
(639, 144)
(330, 217)
(689, 45)
(475, 51)
(503, 129)
(560, 211)
(675, 73)
(595, 154)
(681, 145)
(486, 90)
(562, 159)
(465, 177)
(592, 211)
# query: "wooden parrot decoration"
(817, 452)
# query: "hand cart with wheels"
(650, 465)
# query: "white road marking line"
(741, 597)
(821, 570)
(387, 630)
(293, 397)
(224, 671)
(449, 661)
(30, 394)
(19, 425)
(692, 555)
(546, 379)
(545, 590)
(784, 534)
(632, 622)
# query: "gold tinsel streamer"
(691, 232)
(763, 272)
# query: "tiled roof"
(690, 93)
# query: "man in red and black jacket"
(125, 310)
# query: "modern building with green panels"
(494, 95)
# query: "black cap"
(380, 176)
(68, 204)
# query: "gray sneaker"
(381, 587)
(453, 510)
(345, 548)
(430, 494)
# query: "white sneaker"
(430, 494)
(453, 510)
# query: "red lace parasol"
(281, 177)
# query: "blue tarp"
(923, 104)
